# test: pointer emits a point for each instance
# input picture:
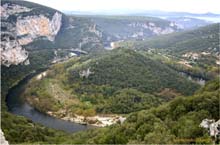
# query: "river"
(19, 106)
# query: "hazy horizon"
(131, 6)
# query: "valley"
(72, 96)
(107, 79)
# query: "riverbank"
(19, 106)
(97, 120)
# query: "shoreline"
(97, 120)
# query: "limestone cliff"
(21, 27)
(32, 27)
(11, 50)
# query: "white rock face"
(2, 138)
(11, 51)
(94, 30)
(41, 75)
(152, 27)
(85, 73)
(55, 25)
(32, 27)
(212, 126)
(24, 31)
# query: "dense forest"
(174, 122)
(197, 50)
(121, 81)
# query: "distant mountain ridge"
(142, 12)
(119, 28)
(202, 39)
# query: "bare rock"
(2, 138)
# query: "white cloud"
(196, 6)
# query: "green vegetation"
(197, 40)
(136, 83)
(113, 86)
(131, 100)
(18, 129)
(11, 75)
(129, 69)
(171, 49)
(174, 122)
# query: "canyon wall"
(20, 29)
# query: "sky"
(193, 6)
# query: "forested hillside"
(195, 52)
(121, 81)
(175, 122)
(201, 39)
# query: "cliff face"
(11, 51)
(32, 27)
(20, 29)
(27, 26)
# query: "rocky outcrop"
(85, 73)
(23, 30)
(11, 51)
(2, 138)
(93, 29)
(213, 128)
(32, 27)
(97, 120)
(153, 27)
